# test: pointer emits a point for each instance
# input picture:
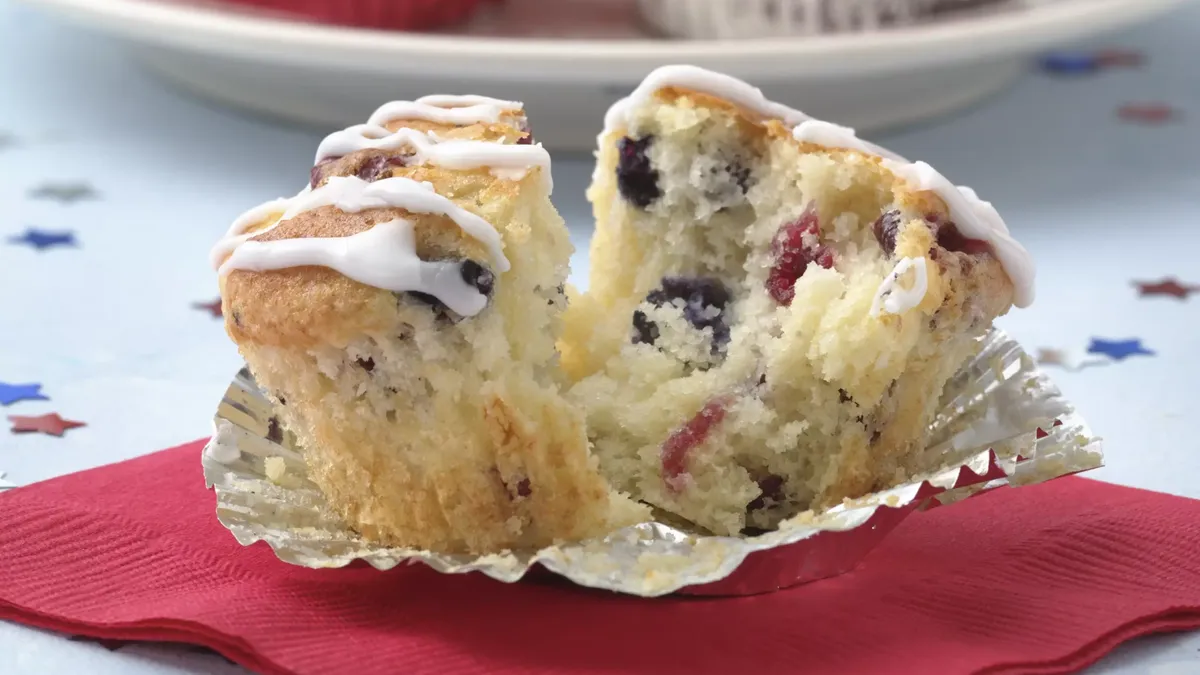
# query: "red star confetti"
(1119, 58)
(1167, 286)
(1148, 113)
(1069, 359)
(50, 424)
(213, 308)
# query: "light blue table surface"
(109, 330)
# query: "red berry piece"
(796, 246)
(375, 167)
(682, 441)
(318, 172)
(949, 238)
(527, 139)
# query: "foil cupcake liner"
(985, 436)
(740, 19)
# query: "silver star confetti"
(4, 485)
(64, 193)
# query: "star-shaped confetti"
(11, 393)
(1148, 113)
(1118, 349)
(50, 424)
(213, 308)
(64, 193)
(1069, 359)
(1167, 286)
(1070, 63)
(1087, 63)
(1120, 58)
(5, 485)
(42, 240)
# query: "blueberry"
(646, 331)
(274, 431)
(698, 294)
(474, 274)
(772, 492)
(741, 176)
(478, 276)
(636, 178)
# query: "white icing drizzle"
(384, 256)
(507, 161)
(446, 109)
(896, 299)
(974, 217)
(237, 234)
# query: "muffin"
(402, 312)
(774, 306)
(724, 19)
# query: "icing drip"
(510, 162)
(974, 217)
(352, 194)
(896, 299)
(832, 135)
(704, 81)
(446, 109)
(237, 235)
(384, 256)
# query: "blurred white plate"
(334, 77)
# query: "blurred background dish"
(569, 60)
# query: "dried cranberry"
(795, 247)
(527, 139)
(637, 180)
(886, 227)
(376, 166)
(949, 238)
(524, 489)
(675, 450)
(367, 364)
(318, 172)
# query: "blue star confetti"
(1118, 350)
(1070, 63)
(42, 239)
(1087, 63)
(11, 393)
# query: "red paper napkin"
(1042, 579)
